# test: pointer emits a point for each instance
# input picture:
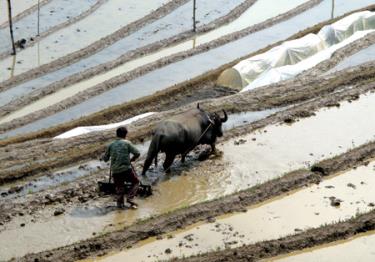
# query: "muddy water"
(91, 28)
(267, 221)
(282, 148)
(183, 70)
(164, 27)
(60, 177)
(363, 56)
(51, 180)
(359, 248)
(88, 168)
(17, 8)
(51, 14)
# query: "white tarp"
(277, 74)
(87, 129)
(288, 53)
(293, 57)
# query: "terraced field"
(293, 174)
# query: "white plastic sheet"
(288, 53)
(295, 56)
(88, 129)
(277, 74)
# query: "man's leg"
(120, 188)
(132, 178)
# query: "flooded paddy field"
(359, 246)
(88, 101)
(291, 178)
(53, 15)
(115, 51)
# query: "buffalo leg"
(213, 149)
(146, 165)
(183, 158)
(168, 162)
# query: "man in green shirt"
(119, 152)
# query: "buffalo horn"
(225, 117)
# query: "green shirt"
(119, 153)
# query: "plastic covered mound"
(88, 129)
(293, 57)
(231, 78)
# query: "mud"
(183, 217)
(68, 113)
(325, 234)
(88, 190)
(269, 220)
(54, 153)
(356, 248)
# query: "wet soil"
(41, 155)
(65, 196)
(128, 236)
(309, 238)
(356, 248)
(268, 220)
(200, 187)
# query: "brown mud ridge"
(309, 238)
(75, 19)
(238, 202)
(40, 156)
(67, 194)
(125, 77)
(121, 33)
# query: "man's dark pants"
(119, 179)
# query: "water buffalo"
(180, 134)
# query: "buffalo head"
(217, 121)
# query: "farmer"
(119, 152)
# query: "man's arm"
(107, 154)
(134, 151)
